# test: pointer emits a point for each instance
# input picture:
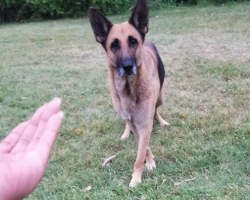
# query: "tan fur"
(138, 105)
(135, 97)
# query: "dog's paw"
(124, 136)
(164, 123)
(134, 181)
(150, 165)
(126, 133)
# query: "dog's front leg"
(143, 142)
(117, 105)
(126, 132)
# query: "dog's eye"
(132, 42)
(115, 45)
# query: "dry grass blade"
(107, 161)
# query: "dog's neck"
(124, 85)
(129, 86)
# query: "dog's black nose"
(127, 65)
(128, 68)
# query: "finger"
(10, 141)
(27, 134)
(16, 134)
(53, 107)
(48, 137)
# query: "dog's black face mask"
(127, 67)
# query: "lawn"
(203, 154)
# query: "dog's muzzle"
(127, 67)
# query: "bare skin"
(25, 152)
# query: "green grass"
(204, 154)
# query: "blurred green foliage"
(21, 10)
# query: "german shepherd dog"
(136, 76)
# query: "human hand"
(24, 153)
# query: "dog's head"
(122, 42)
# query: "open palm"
(24, 153)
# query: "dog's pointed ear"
(100, 25)
(139, 17)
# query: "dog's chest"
(129, 99)
(127, 107)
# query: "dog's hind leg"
(161, 121)
(126, 132)
(150, 160)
